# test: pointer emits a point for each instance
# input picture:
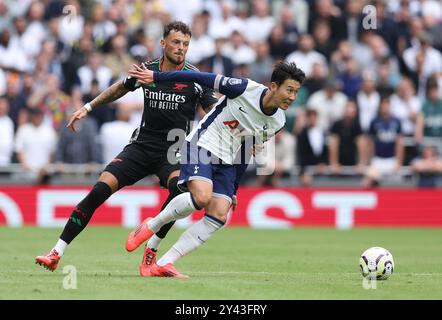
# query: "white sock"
(60, 247)
(154, 242)
(191, 239)
(180, 207)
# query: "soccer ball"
(376, 263)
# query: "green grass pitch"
(237, 263)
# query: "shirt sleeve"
(231, 87)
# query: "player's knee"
(202, 198)
(109, 179)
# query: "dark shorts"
(137, 161)
(199, 164)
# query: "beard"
(174, 59)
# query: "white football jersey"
(224, 128)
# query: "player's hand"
(142, 74)
(77, 115)
(234, 202)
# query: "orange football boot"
(149, 259)
(49, 261)
(167, 270)
(139, 235)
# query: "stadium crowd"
(371, 102)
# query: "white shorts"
(384, 165)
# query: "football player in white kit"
(207, 171)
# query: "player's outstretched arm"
(231, 87)
(114, 92)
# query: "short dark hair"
(284, 70)
(177, 26)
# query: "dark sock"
(83, 212)
(173, 192)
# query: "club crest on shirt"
(180, 86)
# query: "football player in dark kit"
(167, 106)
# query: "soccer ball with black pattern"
(376, 263)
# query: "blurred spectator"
(218, 63)
(52, 59)
(77, 58)
(118, 60)
(431, 11)
(317, 79)
(359, 52)
(329, 104)
(52, 101)
(428, 168)
(111, 143)
(387, 80)
(17, 103)
(242, 71)
(387, 145)
(122, 31)
(201, 46)
(326, 11)
(415, 28)
(297, 9)
(71, 28)
(6, 133)
(24, 40)
(367, 100)
(104, 113)
(261, 68)
(259, 25)
(404, 18)
(94, 69)
(386, 27)
(12, 57)
(238, 50)
(102, 28)
(224, 26)
(5, 16)
(353, 19)
(151, 25)
(279, 47)
(429, 123)
(405, 106)
(291, 33)
(350, 79)
(183, 10)
(422, 61)
(36, 25)
(278, 158)
(321, 34)
(311, 149)
(346, 143)
(80, 147)
(35, 145)
(306, 56)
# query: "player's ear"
(273, 86)
(162, 43)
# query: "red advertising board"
(257, 207)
